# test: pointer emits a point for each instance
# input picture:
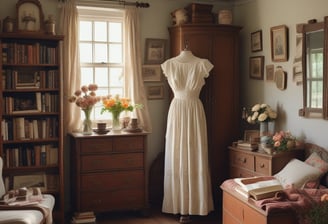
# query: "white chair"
(23, 216)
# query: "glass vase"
(87, 123)
(116, 125)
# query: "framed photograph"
(29, 15)
(27, 102)
(269, 72)
(26, 79)
(256, 67)
(34, 180)
(251, 135)
(256, 41)
(155, 92)
(151, 73)
(279, 43)
(155, 51)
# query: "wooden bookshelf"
(31, 142)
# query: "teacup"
(101, 126)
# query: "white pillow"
(296, 174)
(2, 186)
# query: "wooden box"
(200, 13)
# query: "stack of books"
(84, 217)
(258, 187)
(252, 146)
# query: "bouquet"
(261, 113)
(85, 97)
(282, 141)
(117, 104)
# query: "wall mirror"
(314, 66)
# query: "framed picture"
(155, 51)
(155, 92)
(256, 67)
(256, 41)
(151, 73)
(279, 43)
(26, 79)
(280, 77)
(34, 180)
(251, 135)
(269, 72)
(27, 102)
(29, 15)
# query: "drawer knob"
(243, 160)
(262, 165)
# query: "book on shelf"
(258, 187)
(84, 217)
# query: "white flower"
(263, 117)
(261, 113)
(256, 107)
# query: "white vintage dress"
(187, 184)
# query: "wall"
(256, 15)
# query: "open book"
(258, 187)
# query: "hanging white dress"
(187, 183)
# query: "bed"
(40, 213)
(304, 186)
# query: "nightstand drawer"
(262, 165)
(128, 144)
(112, 181)
(96, 146)
(242, 160)
(239, 172)
(111, 162)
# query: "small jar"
(50, 25)
(225, 17)
(8, 24)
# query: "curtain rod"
(124, 3)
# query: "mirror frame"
(304, 29)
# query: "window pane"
(115, 32)
(100, 31)
(115, 53)
(101, 77)
(85, 53)
(101, 53)
(116, 77)
(85, 30)
(86, 75)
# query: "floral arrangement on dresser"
(261, 113)
(85, 98)
(282, 141)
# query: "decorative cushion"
(296, 174)
(316, 161)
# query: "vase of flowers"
(265, 116)
(86, 98)
(116, 105)
(281, 141)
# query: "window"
(101, 52)
(315, 78)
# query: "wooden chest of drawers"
(108, 172)
(244, 163)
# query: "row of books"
(31, 155)
(23, 103)
(29, 79)
(21, 53)
(21, 128)
(84, 217)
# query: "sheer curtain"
(134, 81)
(71, 66)
(70, 63)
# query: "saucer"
(132, 130)
(101, 132)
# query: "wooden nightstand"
(244, 163)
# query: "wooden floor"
(156, 217)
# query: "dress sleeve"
(165, 68)
(207, 67)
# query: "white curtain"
(71, 63)
(134, 81)
(71, 66)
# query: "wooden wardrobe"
(220, 95)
